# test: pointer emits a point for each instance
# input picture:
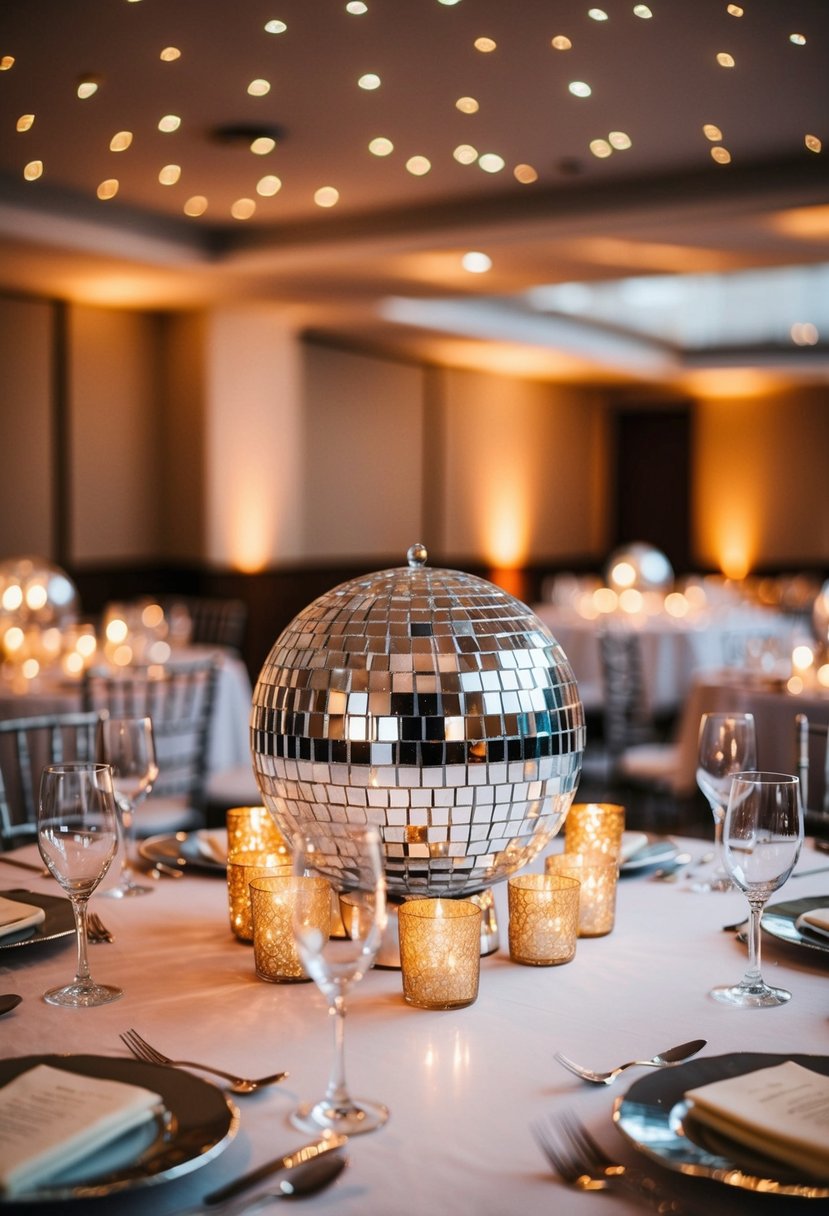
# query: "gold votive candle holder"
(594, 827)
(597, 874)
(242, 867)
(274, 901)
(440, 952)
(251, 829)
(543, 918)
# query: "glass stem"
(79, 905)
(752, 977)
(127, 820)
(718, 850)
(337, 1094)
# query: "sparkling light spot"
(356, 7)
(797, 39)
(369, 81)
(579, 89)
(259, 88)
(262, 145)
(6, 62)
(597, 14)
(243, 208)
(275, 27)
(120, 141)
(467, 105)
(33, 170)
(170, 54)
(197, 205)
(465, 154)
(476, 263)
(87, 88)
(735, 10)
(449, 3)
(418, 165)
(619, 140)
(600, 148)
(725, 60)
(491, 162)
(813, 143)
(525, 174)
(381, 146)
(804, 333)
(642, 10)
(268, 186)
(721, 155)
(326, 196)
(108, 189)
(561, 43)
(169, 175)
(25, 122)
(170, 122)
(712, 132)
(485, 45)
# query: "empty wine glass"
(762, 836)
(77, 834)
(727, 745)
(128, 746)
(354, 867)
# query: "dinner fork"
(239, 1085)
(582, 1163)
(96, 930)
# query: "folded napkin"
(15, 916)
(51, 1119)
(816, 921)
(213, 846)
(632, 842)
(783, 1111)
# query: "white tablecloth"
(462, 1086)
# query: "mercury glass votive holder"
(594, 827)
(242, 867)
(273, 900)
(440, 952)
(252, 829)
(597, 874)
(543, 918)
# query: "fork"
(665, 1059)
(239, 1085)
(96, 930)
(582, 1163)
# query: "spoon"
(9, 1000)
(674, 1055)
(304, 1179)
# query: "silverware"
(329, 1142)
(674, 1055)
(9, 1001)
(161, 870)
(305, 1179)
(806, 873)
(239, 1085)
(96, 930)
(25, 865)
(582, 1163)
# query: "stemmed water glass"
(727, 745)
(354, 867)
(77, 834)
(762, 836)
(127, 744)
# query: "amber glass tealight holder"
(251, 829)
(241, 868)
(273, 900)
(440, 952)
(597, 874)
(543, 918)
(594, 827)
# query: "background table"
(462, 1086)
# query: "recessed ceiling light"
(476, 262)
(25, 122)
(642, 10)
(243, 208)
(579, 89)
(620, 140)
(6, 62)
(87, 87)
(275, 27)
(597, 14)
(33, 170)
(491, 162)
(525, 174)
(370, 80)
(259, 88)
(735, 10)
(465, 154)
(725, 60)
(813, 143)
(418, 165)
(712, 132)
(797, 39)
(197, 205)
(268, 186)
(170, 54)
(467, 105)
(380, 146)
(721, 155)
(326, 196)
(120, 141)
(804, 333)
(170, 122)
(600, 148)
(356, 7)
(169, 175)
(561, 43)
(262, 145)
(108, 189)
(485, 45)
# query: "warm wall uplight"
(505, 520)
(733, 560)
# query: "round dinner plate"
(780, 920)
(59, 920)
(196, 1124)
(654, 853)
(180, 849)
(654, 1116)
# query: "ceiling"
(703, 212)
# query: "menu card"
(15, 916)
(51, 1119)
(783, 1111)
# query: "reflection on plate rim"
(772, 916)
(91, 1189)
(34, 898)
(729, 1173)
(199, 862)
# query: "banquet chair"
(634, 750)
(27, 745)
(215, 621)
(179, 699)
(812, 743)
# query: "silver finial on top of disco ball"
(417, 556)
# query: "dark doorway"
(652, 480)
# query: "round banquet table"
(463, 1086)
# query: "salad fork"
(96, 930)
(674, 1055)
(142, 1050)
(582, 1163)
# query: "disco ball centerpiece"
(432, 704)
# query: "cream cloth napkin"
(15, 916)
(50, 1119)
(816, 921)
(212, 846)
(783, 1111)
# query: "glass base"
(82, 996)
(745, 996)
(358, 1116)
(126, 890)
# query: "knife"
(308, 1152)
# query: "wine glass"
(354, 866)
(128, 746)
(727, 745)
(77, 834)
(762, 836)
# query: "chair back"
(813, 766)
(627, 719)
(179, 698)
(27, 745)
(214, 621)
